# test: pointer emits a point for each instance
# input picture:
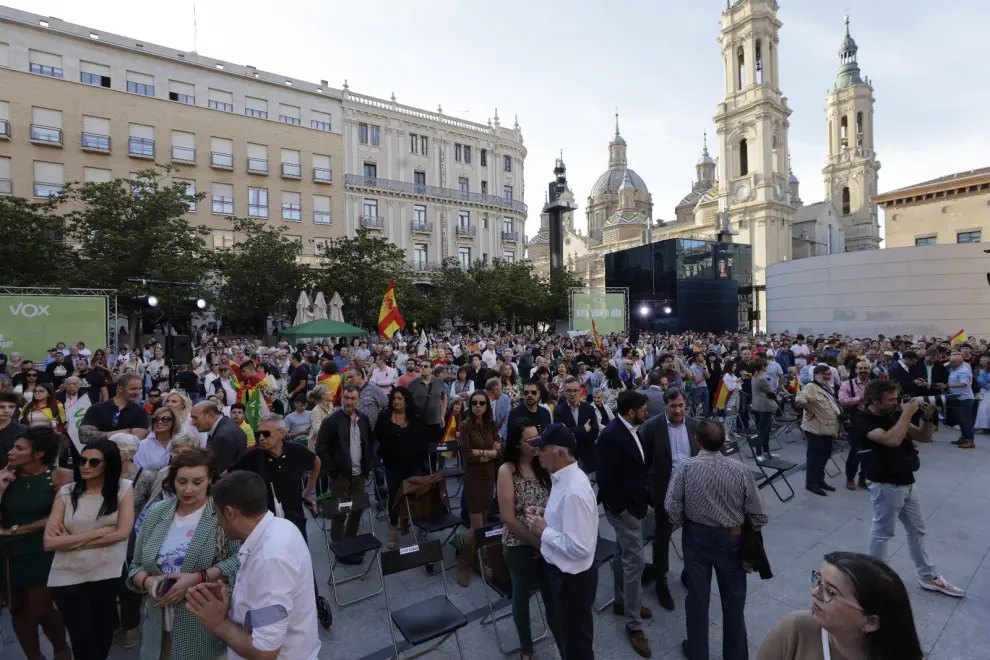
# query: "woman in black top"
(403, 448)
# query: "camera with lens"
(938, 400)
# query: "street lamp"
(152, 301)
(667, 310)
(200, 303)
(644, 310)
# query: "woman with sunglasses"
(480, 446)
(523, 482)
(155, 450)
(44, 409)
(25, 382)
(88, 528)
(27, 487)
(860, 610)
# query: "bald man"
(223, 437)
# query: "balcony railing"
(389, 185)
(322, 218)
(141, 147)
(372, 221)
(291, 171)
(422, 226)
(423, 266)
(183, 155)
(322, 175)
(512, 236)
(257, 165)
(46, 135)
(6, 187)
(221, 161)
(4, 129)
(95, 142)
(47, 189)
(467, 230)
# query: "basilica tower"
(752, 128)
(851, 172)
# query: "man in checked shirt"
(711, 496)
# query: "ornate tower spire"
(705, 166)
(617, 148)
(849, 73)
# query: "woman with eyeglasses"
(88, 528)
(44, 409)
(860, 610)
(523, 482)
(480, 446)
(27, 490)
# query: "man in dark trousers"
(624, 490)
(223, 437)
(669, 440)
(580, 418)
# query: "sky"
(565, 67)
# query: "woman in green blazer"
(181, 545)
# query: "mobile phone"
(165, 586)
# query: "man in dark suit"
(223, 437)
(654, 394)
(669, 439)
(930, 375)
(580, 418)
(901, 373)
(530, 408)
(624, 490)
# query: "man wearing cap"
(568, 532)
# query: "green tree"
(359, 268)
(32, 246)
(260, 276)
(556, 299)
(137, 228)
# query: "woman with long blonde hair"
(320, 403)
(180, 404)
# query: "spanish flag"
(389, 318)
(449, 435)
(333, 383)
(722, 395)
(795, 385)
(958, 338)
(598, 337)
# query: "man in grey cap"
(568, 531)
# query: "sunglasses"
(264, 434)
(41, 391)
(480, 404)
(91, 462)
(165, 419)
(32, 374)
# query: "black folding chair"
(358, 545)
(485, 538)
(453, 472)
(771, 469)
(605, 552)
(439, 521)
(427, 620)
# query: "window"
(846, 202)
(320, 121)
(321, 210)
(828, 242)
(484, 221)
(223, 240)
(506, 163)
(507, 193)
(45, 64)
(462, 153)
(464, 220)
(509, 256)
(291, 168)
(182, 92)
(46, 126)
(221, 153)
(96, 134)
(484, 157)
(370, 173)
(925, 240)
(223, 199)
(743, 157)
(844, 132)
(222, 101)
(94, 74)
(140, 83)
(257, 158)
(464, 186)
(191, 193)
(859, 130)
(741, 67)
(507, 225)
(968, 237)
(321, 169)
(257, 202)
(6, 186)
(96, 175)
(370, 208)
(291, 206)
(419, 217)
(48, 179)
(141, 143)
(183, 147)
(4, 54)
(418, 144)
(775, 155)
(373, 135)
(419, 179)
(759, 64)
(421, 255)
(255, 107)
(363, 133)
(289, 114)
(464, 256)
(484, 187)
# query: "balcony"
(322, 175)
(510, 236)
(97, 143)
(322, 218)
(6, 187)
(4, 129)
(421, 227)
(406, 188)
(46, 135)
(423, 266)
(291, 171)
(220, 161)
(141, 148)
(183, 155)
(372, 221)
(468, 231)
(257, 165)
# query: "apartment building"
(435, 185)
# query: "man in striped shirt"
(711, 497)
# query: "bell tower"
(752, 125)
(852, 169)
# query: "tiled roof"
(948, 181)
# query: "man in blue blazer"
(580, 418)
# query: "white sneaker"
(939, 583)
(760, 458)
(774, 456)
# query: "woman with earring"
(480, 446)
(27, 490)
(860, 610)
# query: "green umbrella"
(323, 328)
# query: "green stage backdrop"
(30, 325)
(607, 310)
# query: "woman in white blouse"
(731, 382)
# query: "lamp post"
(556, 208)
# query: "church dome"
(627, 218)
(608, 183)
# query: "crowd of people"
(182, 478)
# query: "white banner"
(74, 417)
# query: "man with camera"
(886, 439)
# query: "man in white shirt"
(272, 612)
(568, 531)
(801, 352)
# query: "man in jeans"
(886, 440)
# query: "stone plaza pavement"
(955, 492)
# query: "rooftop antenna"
(195, 29)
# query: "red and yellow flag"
(722, 395)
(958, 338)
(449, 435)
(598, 337)
(389, 318)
